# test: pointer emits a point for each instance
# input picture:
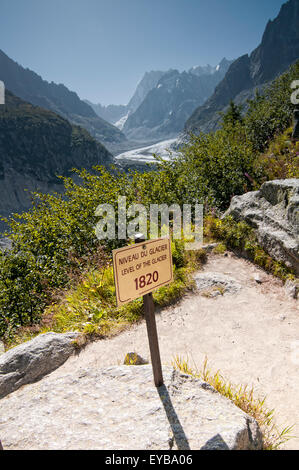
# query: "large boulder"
(32, 360)
(119, 408)
(214, 284)
(274, 212)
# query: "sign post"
(149, 311)
(138, 270)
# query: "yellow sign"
(139, 269)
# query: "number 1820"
(146, 280)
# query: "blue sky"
(101, 48)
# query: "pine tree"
(232, 115)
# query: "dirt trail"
(251, 336)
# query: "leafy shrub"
(271, 113)
(22, 291)
(214, 167)
(281, 160)
(178, 253)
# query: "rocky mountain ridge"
(117, 114)
(35, 146)
(279, 48)
(111, 113)
(197, 85)
(31, 88)
(166, 107)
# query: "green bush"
(271, 113)
(281, 159)
(22, 291)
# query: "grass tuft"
(241, 238)
(244, 398)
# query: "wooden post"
(149, 310)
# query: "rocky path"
(250, 333)
(246, 325)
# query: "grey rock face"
(279, 48)
(32, 360)
(292, 289)
(274, 212)
(213, 72)
(119, 408)
(165, 108)
(146, 84)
